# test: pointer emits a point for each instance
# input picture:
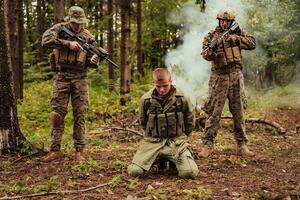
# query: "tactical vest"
(162, 124)
(68, 60)
(226, 56)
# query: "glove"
(233, 40)
(95, 59)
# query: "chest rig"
(164, 122)
(68, 60)
(226, 55)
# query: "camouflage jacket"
(176, 102)
(51, 39)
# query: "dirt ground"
(274, 173)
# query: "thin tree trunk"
(110, 46)
(125, 49)
(10, 134)
(40, 29)
(21, 47)
(29, 23)
(116, 31)
(101, 30)
(139, 38)
(71, 3)
(12, 16)
(59, 11)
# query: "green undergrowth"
(34, 109)
(259, 101)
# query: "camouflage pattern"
(226, 82)
(69, 83)
(76, 14)
(176, 149)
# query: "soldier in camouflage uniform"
(226, 81)
(167, 117)
(70, 63)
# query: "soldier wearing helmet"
(226, 81)
(70, 64)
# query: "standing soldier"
(167, 117)
(70, 63)
(226, 81)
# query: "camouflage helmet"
(76, 14)
(226, 13)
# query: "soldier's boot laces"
(205, 151)
(51, 156)
(243, 150)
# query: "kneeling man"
(167, 117)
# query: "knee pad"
(56, 119)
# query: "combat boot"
(51, 156)
(78, 154)
(243, 150)
(206, 150)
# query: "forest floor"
(274, 172)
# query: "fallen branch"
(126, 129)
(275, 125)
(56, 192)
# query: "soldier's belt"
(227, 69)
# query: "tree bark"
(13, 25)
(29, 23)
(40, 29)
(10, 134)
(100, 29)
(21, 47)
(110, 46)
(71, 3)
(59, 11)
(139, 38)
(125, 49)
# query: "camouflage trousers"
(221, 87)
(63, 90)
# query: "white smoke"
(190, 71)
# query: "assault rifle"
(233, 28)
(86, 45)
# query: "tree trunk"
(110, 46)
(101, 30)
(10, 134)
(40, 29)
(13, 17)
(71, 3)
(29, 23)
(21, 47)
(59, 11)
(125, 49)
(139, 38)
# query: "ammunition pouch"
(223, 60)
(233, 55)
(52, 62)
(70, 60)
(220, 59)
(165, 125)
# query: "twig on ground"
(126, 129)
(56, 192)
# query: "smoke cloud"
(190, 71)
